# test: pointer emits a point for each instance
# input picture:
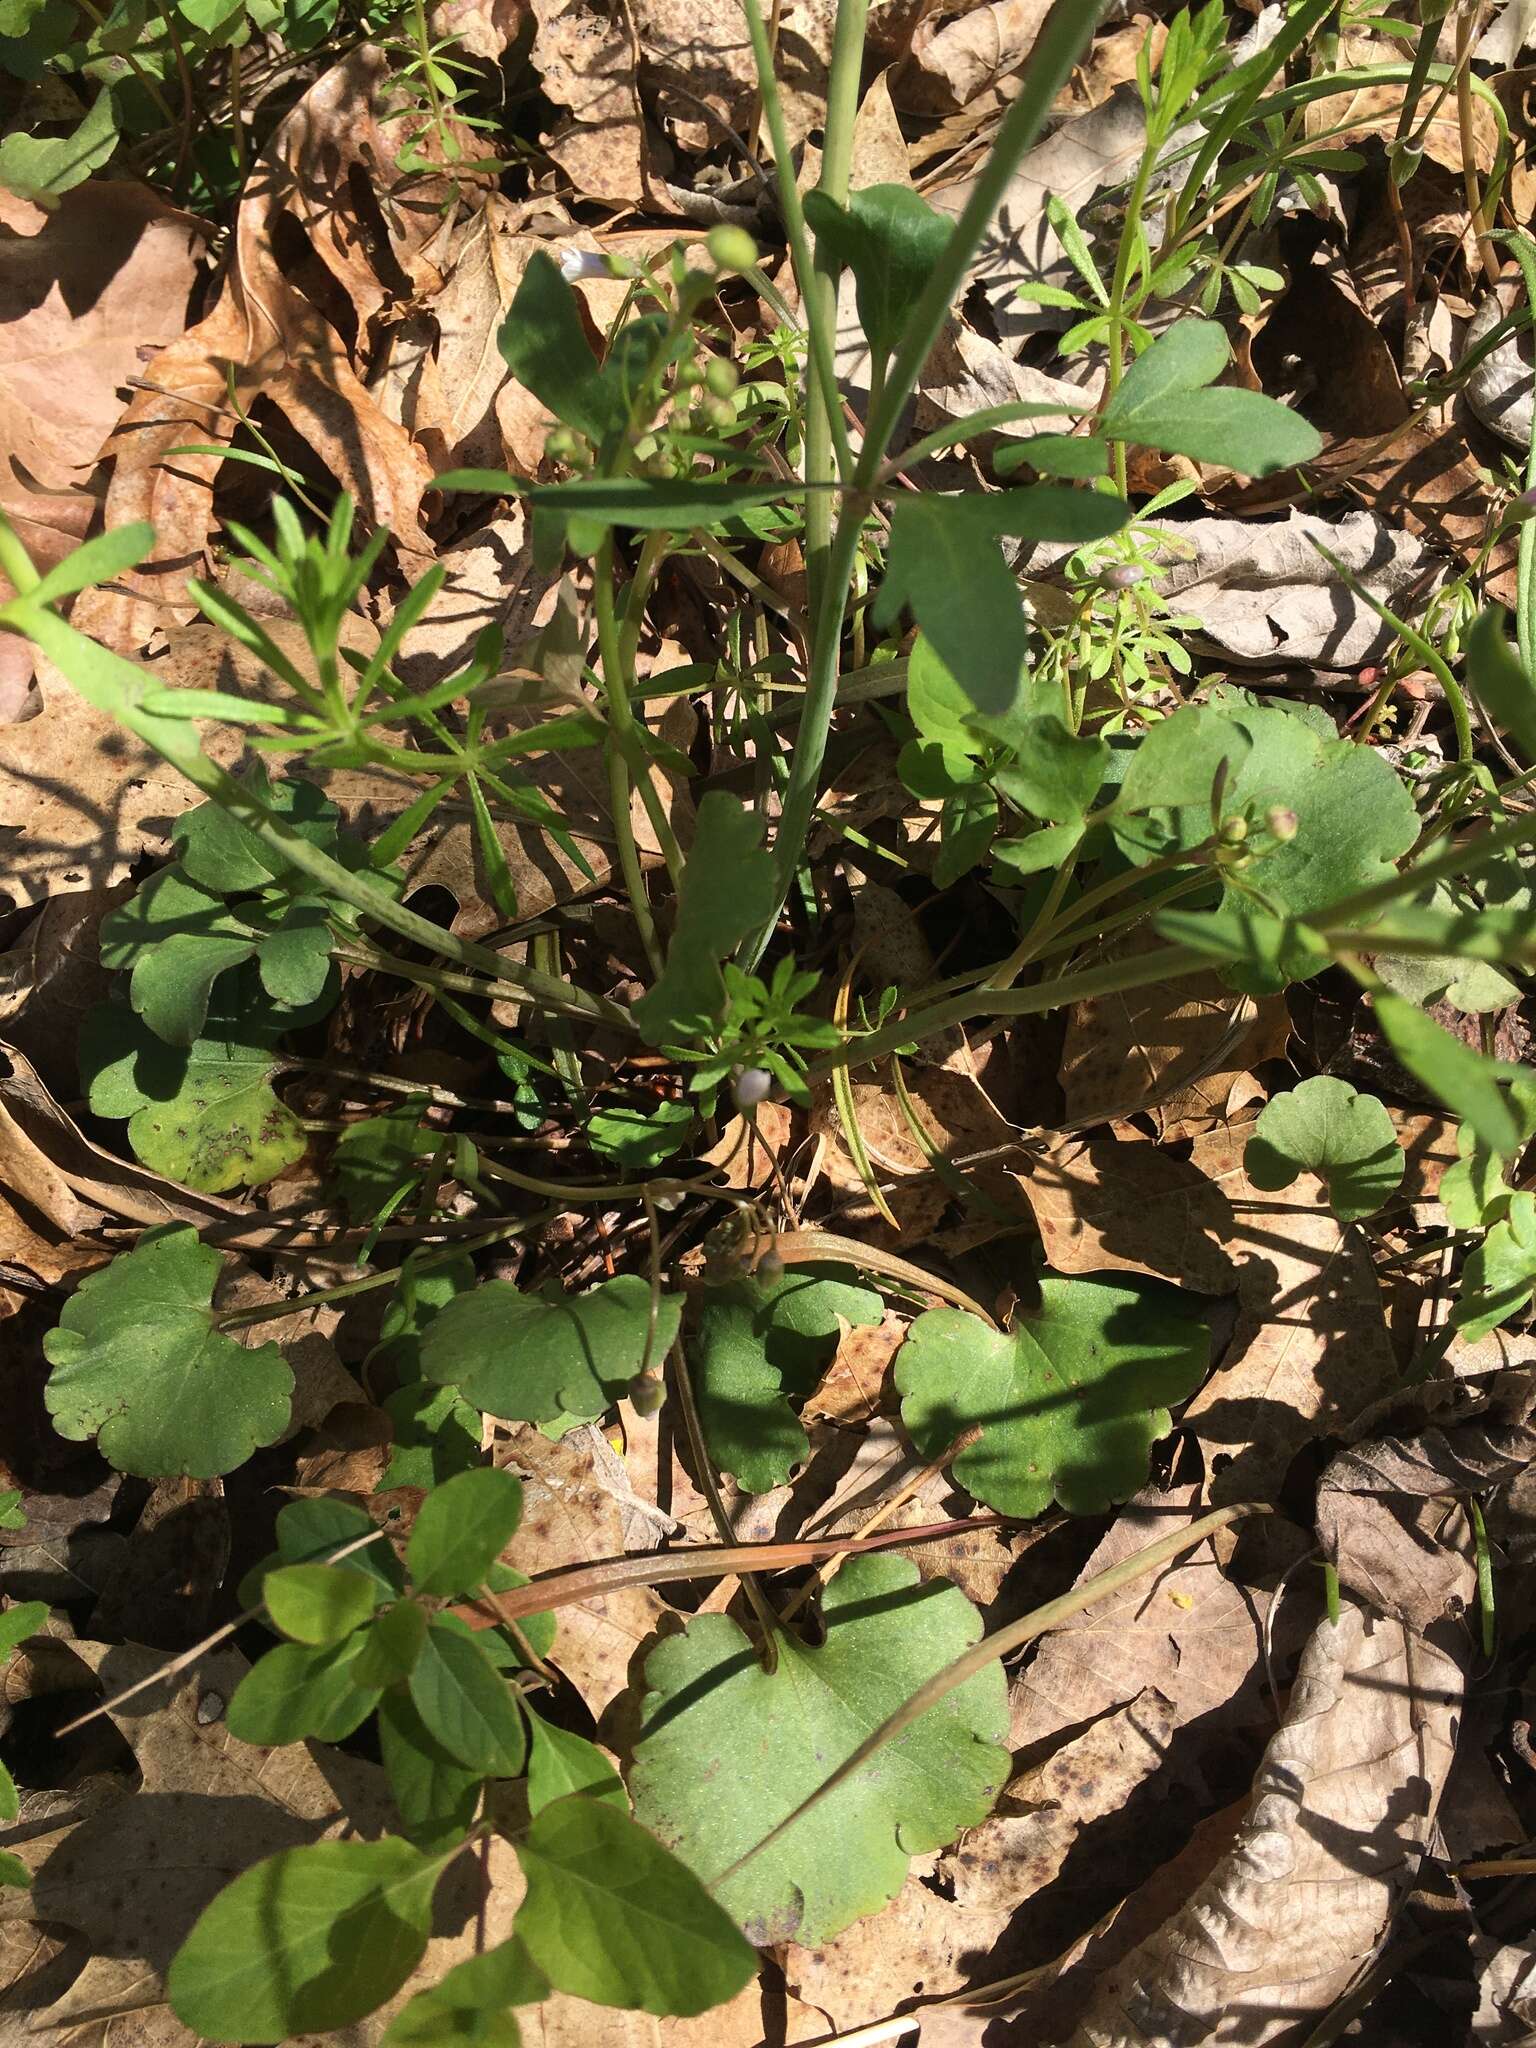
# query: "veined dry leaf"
(1343, 1811)
(1387, 1508)
(703, 46)
(568, 1514)
(1506, 1993)
(278, 345)
(482, 27)
(1084, 156)
(89, 291)
(1500, 388)
(1188, 1632)
(853, 1385)
(1310, 1349)
(452, 406)
(1151, 1048)
(951, 62)
(585, 55)
(1111, 1205)
(1263, 594)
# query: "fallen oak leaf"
(1343, 1811)
(266, 335)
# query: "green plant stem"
(1525, 573)
(820, 288)
(1455, 696)
(273, 1311)
(1169, 964)
(1129, 237)
(1001, 1643)
(619, 751)
(117, 686)
(1062, 37)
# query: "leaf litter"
(1197, 1809)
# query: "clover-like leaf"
(139, 1363)
(610, 1916)
(784, 1732)
(226, 858)
(205, 1115)
(639, 1138)
(1069, 1402)
(1169, 399)
(1324, 1126)
(760, 1342)
(554, 1360)
(311, 1939)
(727, 890)
(1350, 814)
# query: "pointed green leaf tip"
(727, 891)
(1328, 1128)
(1069, 1403)
(727, 1750)
(309, 1940)
(138, 1364)
(1169, 399)
(890, 238)
(611, 1916)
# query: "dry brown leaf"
(1387, 1508)
(1112, 1206)
(52, 976)
(1153, 1048)
(1310, 1349)
(1190, 1633)
(568, 1513)
(280, 346)
(853, 1385)
(90, 290)
(756, 2016)
(952, 61)
(1374, 110)
(1079, 160)
(585, 55)
(1506, 1993)
(699, 50)
(483, 27)
(1343, 1810)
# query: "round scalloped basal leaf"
(138, 1364)
(1069, 1402)
(1326, 1127)
(726, 1750)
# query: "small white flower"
(578, 264)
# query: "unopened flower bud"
(579, 264)
(647, 1393)
(1233, 831)
(722, 376)
(720, 412)
(1122, 576)
(752, 1086)
(1283, 822)
(769, 1267)
(731, 248)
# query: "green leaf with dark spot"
(1069, 1402)
(205, 1116)
(138, 1364)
